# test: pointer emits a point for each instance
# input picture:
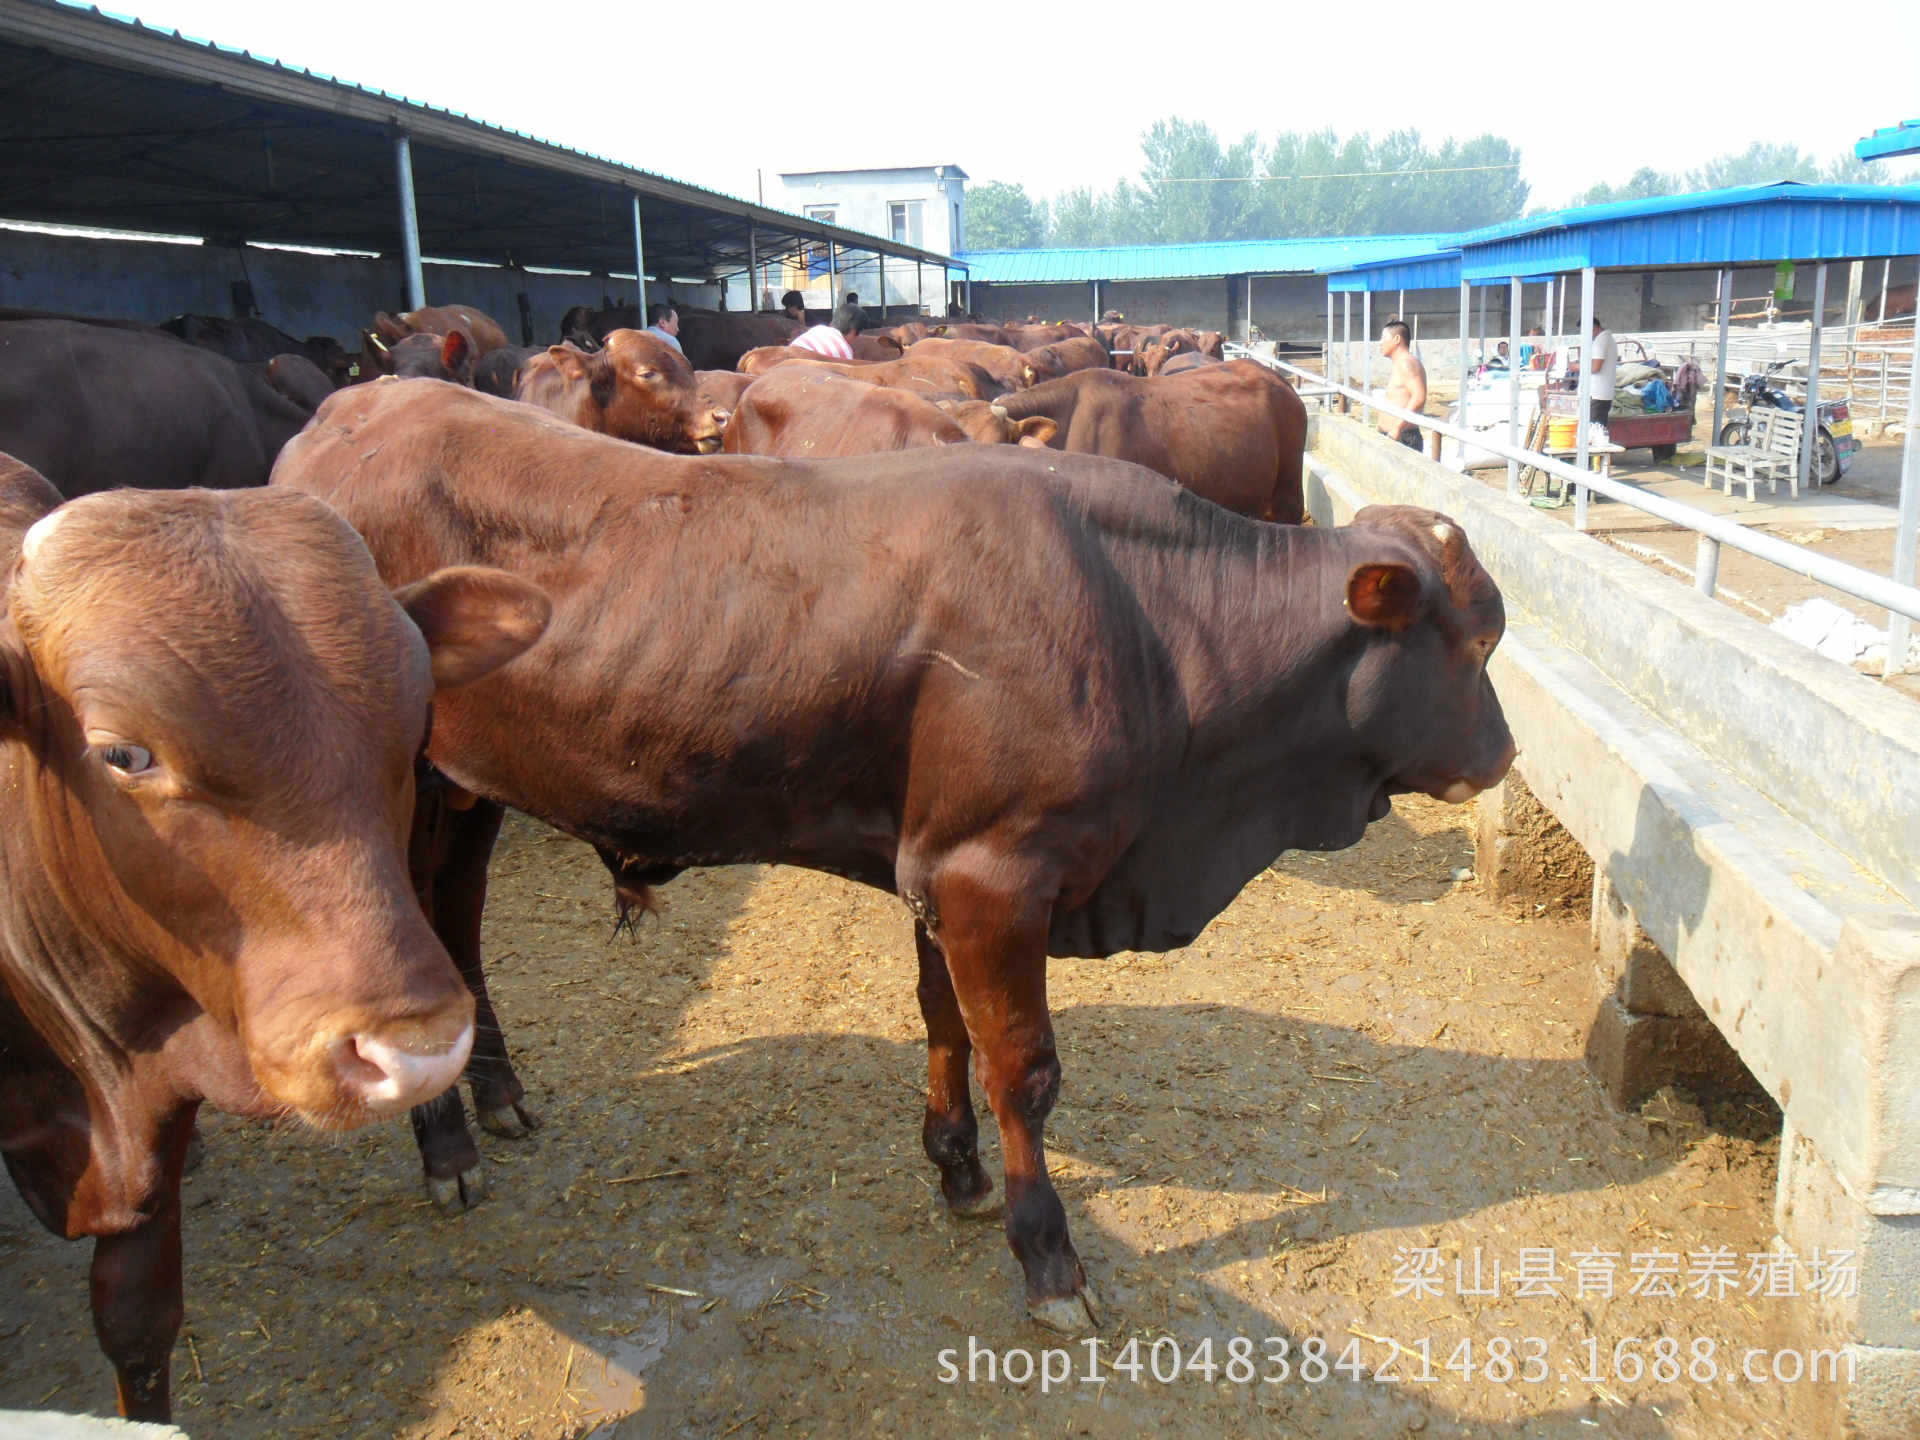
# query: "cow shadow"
(1393, 861)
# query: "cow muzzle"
(349, 1070)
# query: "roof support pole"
(1326, 356)
(966, 292)
(1586, 394)
(1483, 323)
(1346, 338)
(1513, 381)
(1886, 274)
(833, 275)
(1366, 353)
(919, 285)
(881, 257)
(1906, 535)
(1465, 288)
(1810, 430)
(1560, 316)
(753, 268)
(409, 223)
(1401, 313)
(1096, 302)
(1249, 315)
(1720, 356)
(639, 260)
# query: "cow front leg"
(951, 1134)
(996, 952)
(136, 1289)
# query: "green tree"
(1002, 216)
(1758, 164)
(1193, 188)
(1643, 184)
(1076, 218)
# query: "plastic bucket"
(1563, 432)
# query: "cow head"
(989, 424)
(210, 713)
(640, 389)
(1430, 618)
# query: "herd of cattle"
(938, 620)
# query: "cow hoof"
(984, 1206)
(511, 1122)
(1068, 1314)
(458, 1194)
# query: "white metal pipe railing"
(1876, 590)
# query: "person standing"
(663, 324)
(793, 305)
(1406, 387)
(1603, 358)
(830, 340)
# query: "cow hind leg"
(951, 1134)
(996, 952)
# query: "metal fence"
(1714, 531)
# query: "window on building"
(904, 223)
(818, 261)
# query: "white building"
(923, 205)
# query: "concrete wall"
(303, 294)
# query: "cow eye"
(127, 759)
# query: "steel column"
(753, 268)
(409, 223)
(1326, 356)
(1720, 361)
(1346, 338)
(1483, 323)
(881, 256)
(1810, 427)
(1465, 315)
(833, 275)
(1249, 315)
(639, 259)
(1096, 302)
(1706, 565)
(1513, 381)
(1906, 535)
(1586, 394)
(920, 286)
(1366, 351)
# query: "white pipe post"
(1810, 419)
(1886, 274)
(833, 275)
(1560, 317)
(409, 224)
(1513, 381)
(753, 268)
(966, 292)
(1248, 317)
(1346, 338)
(1720, 361)
(881, 256)
(639, 259)
(1096, 302)
(1465, 304)
(1586, 394)
(1906, 535)
(1483, 323)
(1366, 351)
(920, 286)
(1326, 357)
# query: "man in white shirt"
(1604, 358)
(663, 324)
(830, 340)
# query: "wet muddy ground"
(726, 1226)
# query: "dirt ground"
(726, 1226)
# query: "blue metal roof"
(1747, 224)
(1884, 144)
(1179, 262)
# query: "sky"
(1057, 95)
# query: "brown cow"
(721, 389)
(716, 339)
(1032, 336)
(1193, 360)
(875, 345)
(1010, 369)
(1234, 433)
(991, 334)
(210, 713)
(762, 358)
(987, 423)
(442, 320)
(635, 387)
(1056, 704)
(924, 375)
(812, 412)
(426, 356)
(1063, 357)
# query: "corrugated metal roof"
(1747, 224)
(692, 193)
(1892, 140)
(1179, 262)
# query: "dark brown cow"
(256, 341)
(426, 356)
(1010, 369)
(210, 712)
(716, 339)
(1157, 352)
(1234, 433)
(95, 406)
(1033, 336)
(1056, 704)
(1063, 357)
(297, 378)
(961, 330)
(483, 329)
(635, 388)
(498, 371)
(810, 412)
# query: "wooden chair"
(1772, 449)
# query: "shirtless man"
(1408, 387)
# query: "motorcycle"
(1835, 444)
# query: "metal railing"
(1714, 530)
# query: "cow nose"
(392, 1074)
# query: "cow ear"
(1384, 595)
(456, 351)
(388, 328)
(570, 361)
(474, 620)
(1037, 431)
